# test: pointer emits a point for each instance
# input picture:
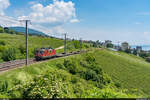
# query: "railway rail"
(18, 63)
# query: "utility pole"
(80, 44)
(26, 31)
(118, 44)
(65, 43)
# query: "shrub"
(118, 85)
(89, 75)
(76, 44)
(6, 29)
(12, 32)
(128, 51)
(71, 66)
(74, 79)
(109, 45)
(43, 86)
(90, 58)
(22, 49)
(1, 30)
(9, 54)
(60, 66)
(3, 86)
(143, 54)
(2, 48)
(87, 46)
(2, 43)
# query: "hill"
(31, 31)
(129, 71)
(18, 43)
(71, 77)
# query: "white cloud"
(48, 19)
(3, 5)
(74, 21)
(11, 22)
(52, 16)
(57, 13)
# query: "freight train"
(45, 53)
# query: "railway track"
(18, 63)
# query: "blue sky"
(117, 20)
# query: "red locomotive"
(45, 53)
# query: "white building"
(125, 46)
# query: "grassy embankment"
(18, 42)
(129, 71)
(75, 76)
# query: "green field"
(129, 71)
(129, 74)
(73, 77)
(34, 41)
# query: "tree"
(6, 29)
(109, 45)
(12, 32)
(143, 54)
(1, 30)
(128, 51)
(9, 54)
(134, 52)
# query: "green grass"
(130, 71)
(77, 88)
(34, 42)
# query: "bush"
(22, 49)
(9, 54)
(87, 46)
(12, 32)
(42, 86)
(1, 30)
(89, 75)
(90, 58)
(6, 29)
(2, 43)
(118, 85)
(143, 54)
(109, 45)
(76, 44)
(71, 66)
(2, 48)
(60, 66)
(3, 86)
(128, 51)
(74, 79)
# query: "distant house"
(125, 46)
(138, 49)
